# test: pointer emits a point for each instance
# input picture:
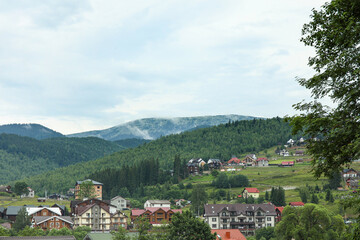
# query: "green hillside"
(32, 130)
(221, 142)
(23, 156)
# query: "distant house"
(250, 160)
(30, 194)
(155, 215)
(6, 189)
(284, 153)
(287, 164)
(119, 202)
(194, 164)
(349, 173)
(254, 192)
(97, 188)
(180, 202)
(278, 213)
(235, 161)
(157, 203)
(61, 207)
(290, 142)
(52, 222)
(262, 162)
(11, 212)
(296, 204)
(299, 153)
(214, 163)
(228, 234)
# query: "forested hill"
(153, 128)
(223, 141)
(23, 156)
(36, 131)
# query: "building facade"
(245, 217)
(97, 189)
(157, 203)
(155, 215)
(119, 202)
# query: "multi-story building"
(157, 203)
(245, 217)
(97, 189)
(119, 202)
(98, 215)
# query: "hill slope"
(36, 131)
(153, 128)
(23, 156)
(221, 142)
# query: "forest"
(223, 141)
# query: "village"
(237, 220)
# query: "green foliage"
(120, 234)
(304, 194)
(4, 231)
(198, 199)
(334, 32)
(246, 136)
(87, 190)
(28, 231)
(277, 196)
(223, 181)
(20, 188)
(309, 222)
(187, 226)
(22, 220)
(266, 233)
(143, 226)
(36, 156)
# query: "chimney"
(227, 235)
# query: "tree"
(267, 233)
(277, 196)
(266, 195)
(334, 32)
(21, 188)
(22, 220)
(198, 199)
(87, 190)
(143, 226)
(314, 199)
(187, 226)
(120, 234)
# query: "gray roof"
(39, 238)
(13, 210)
(215, 209)
(89, 180)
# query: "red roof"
(252, 190)
(280, 209)
(296, 204)
(228, 234)
(239, 196)
(138, 212)
(234, 160)
(260, 159)
(287, 163)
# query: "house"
(96, 214)
(214, 163)
(30, 194)
(296, 204)
(6, 189)
(228, 234)
(155, 215)
(118, 219)
(234, 161)
(349, 173)
(180, 202)
(290, 142)
(52, 222)
(250, 160)
(75, 204)
(43, 211)
(119, 202)
(284, 153)
(11, 212)
(157, 203)
(286, 164)
(194, 165)
(245, 217)
(278, 213)
(97, 188)
(299, 153)
(262, 162)
(254, 192)
(61, 207)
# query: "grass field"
(6, 201)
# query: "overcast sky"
(83, 65)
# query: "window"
(51, 225)
(223, 214)
(214, 219)
(57, 224)
(224, 220)
(269, 225)
(63, 224)
(44, 213)
(268, 218)
(250, 219)
(214, 226)
(224, 226)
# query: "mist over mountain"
(32, 130)
(153, 128)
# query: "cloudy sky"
(91, 64)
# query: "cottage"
(214, 163)
(253, 192)
(299, 153)
(52, 222)
(246, 217)
(250, 160)
(349, 173)
(262, 162)
(235, 161)
(286, 164)
(43, 211)
(155, 215)
(194, 165)
(11, 212)
(279, 211)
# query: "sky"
(82, 65)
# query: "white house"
(119, 202)
(157, 203)
(31, 193)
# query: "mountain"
(36, 131)
(153, 128)
(222, 142)
(24, 156)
